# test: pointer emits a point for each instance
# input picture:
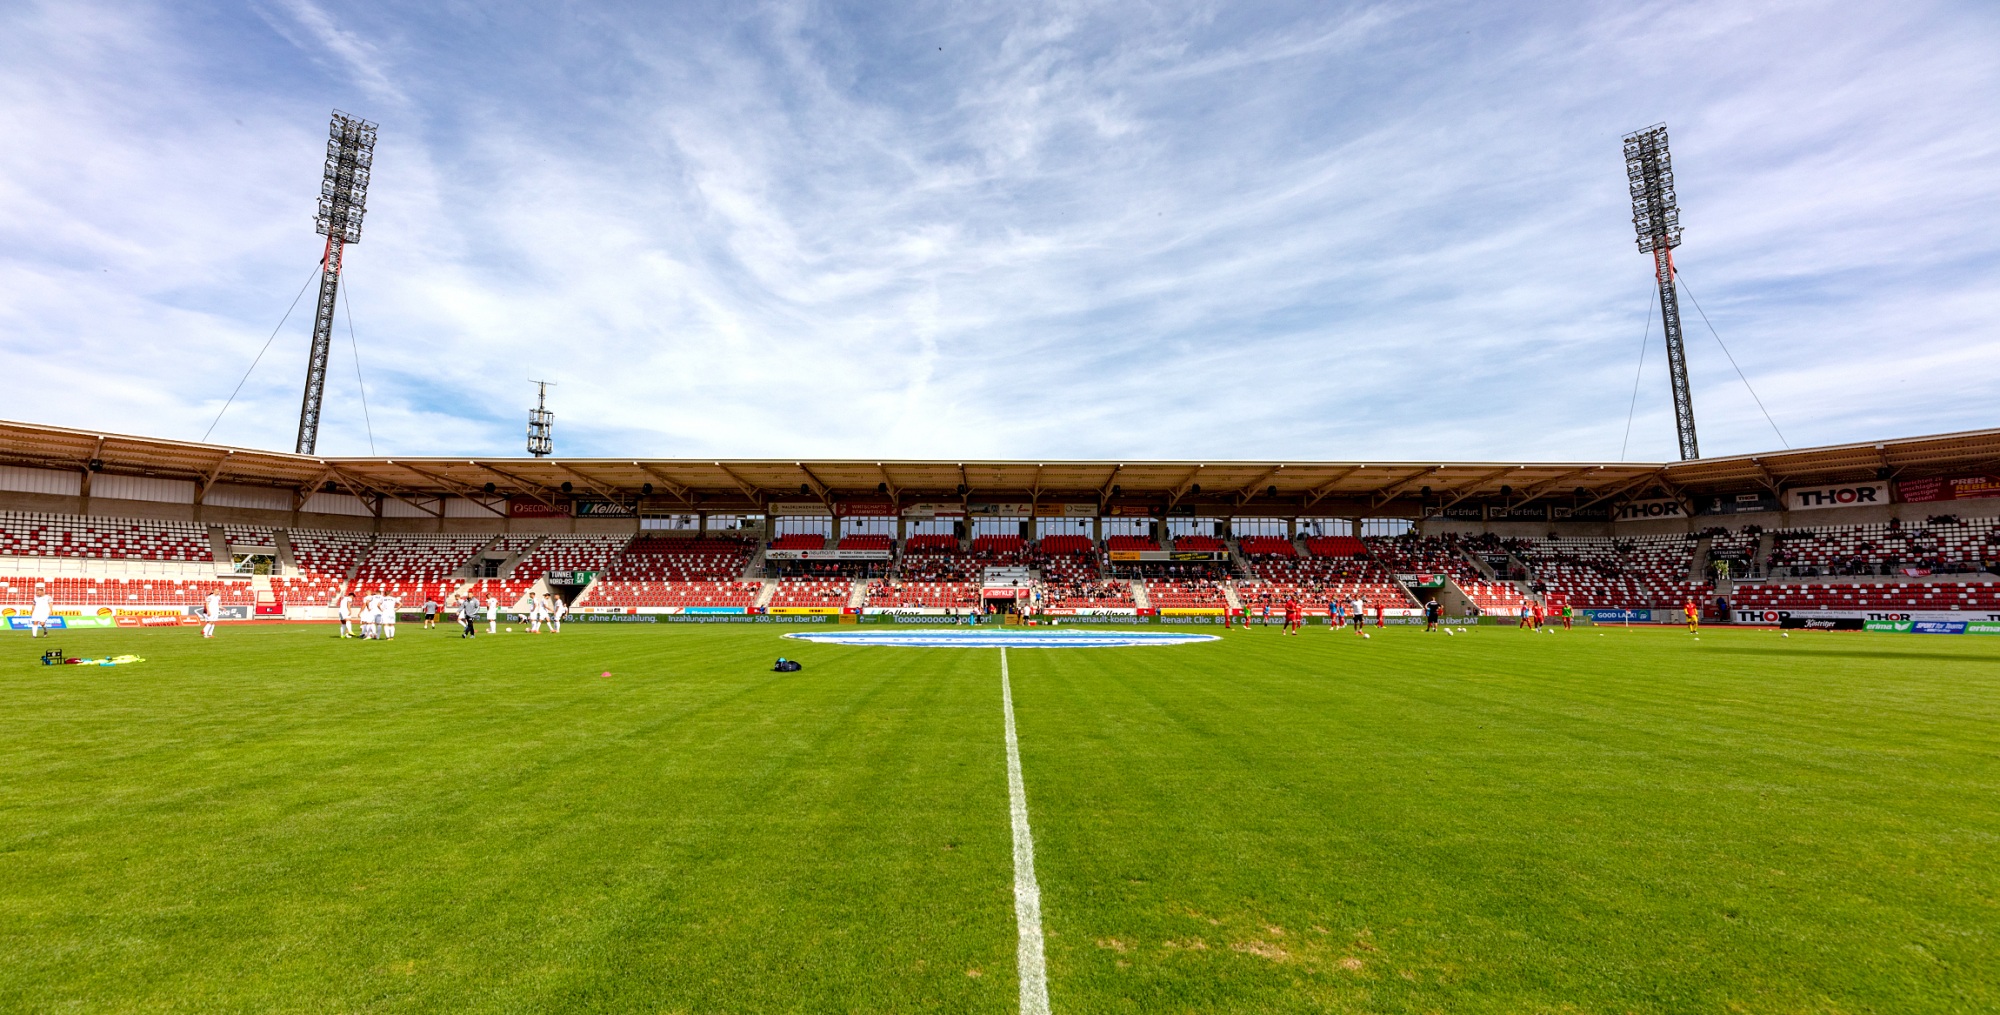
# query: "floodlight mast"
(1656, 218)
(541, 423)
(343, 199)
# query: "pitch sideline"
(1034, 973)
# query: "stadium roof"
(1333, 488)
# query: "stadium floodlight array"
(343, 199)
(1656, 218)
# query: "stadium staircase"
(1229, 596)
(857, 594)
(287, 561)
(768, 592)
(218, 544)
(1139, 598)
(1698, 560)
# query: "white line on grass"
(1027, 895)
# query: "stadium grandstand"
(120, 525)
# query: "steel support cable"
(1645, 336)
(1732, 361)
(317, 267)
(356, 347)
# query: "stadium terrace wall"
(1910, 514)
(212, 514)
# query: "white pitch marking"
(1034, 973)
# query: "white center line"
(1034, 972)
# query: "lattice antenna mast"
(343, 199)
(1656, 217)
(541, 422)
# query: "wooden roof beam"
(381, 490)
(1473, 487)
(1187, 483)
(1104, 492)
(1536, 491)
(614, 496)
(1249, 490)
(686, 496)
(1388, 493)
(1319, 493)
(523, 484)
(749, 490)
(221, 462)
(465, 491)
(1620, 490)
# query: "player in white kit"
(538, 611)
(387, 604)
(367, 615)
(211, 608)
(344, 608)
(492, 614)
(45, 607)
(557, 608)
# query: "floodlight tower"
(343, 198)
(1656, 217)
(541, 422)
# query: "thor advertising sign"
(1637, 510)
(1813, 498)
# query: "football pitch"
(644, 818)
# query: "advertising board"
(603, 509)
(1459, 512)
(804, 611)
(1640, 510)
(528, 507)
(1066, 510)
(1619, 616)
(827, 554)
(1595, 512)
(1795, 623)
(1183, 555)
(1738, 504)
(1924, 491)
(934, 509)
(799, 508)
(1814, 498)
(871, 508)
(1779, 617)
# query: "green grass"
(280, 821)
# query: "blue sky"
(1020, 230)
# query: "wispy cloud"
(309, 27)
(1034, 230)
